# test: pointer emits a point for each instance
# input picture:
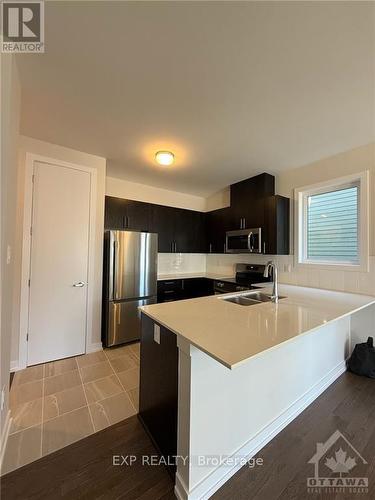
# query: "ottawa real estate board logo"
(22, 26)
(338, 467)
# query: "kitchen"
(188, 249)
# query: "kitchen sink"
(250, 299)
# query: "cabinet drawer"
(169, 290)
(170, 285)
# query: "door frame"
(31, 158)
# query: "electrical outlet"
(157, 334)
(2, 399)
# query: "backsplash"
(346, 281)
(220, 264)
(172, 263)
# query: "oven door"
(225, 287)
(244, 241)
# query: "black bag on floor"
(362, 360)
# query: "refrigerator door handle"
(114, 270)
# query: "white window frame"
(300, 222)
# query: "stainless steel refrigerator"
(129, 281)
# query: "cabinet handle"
(127, 221)
(264, 247)
(175, 247)
(210, 247)
(244, 223)
(172, 246)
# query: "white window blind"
(332, 226)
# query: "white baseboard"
(4, 437)
(14, 366)
(210, 484)
(94, 347)
(180, 489)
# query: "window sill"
(363, 267)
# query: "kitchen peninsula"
(221, 380)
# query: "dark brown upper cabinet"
(276, 228)
(217, 223)
(126, 214)
(253, 204)
(162, 222)
(247, 201)
(179, 230)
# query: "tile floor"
(55, 404)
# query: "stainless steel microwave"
(244, 241)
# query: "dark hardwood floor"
(348, 405)
(84, 470)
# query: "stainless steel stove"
(246, 276)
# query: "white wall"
(362, 325)
(357, 160)
(217, 200)
(29, 145)
(10, 113)
(142, 192)
(349, 162)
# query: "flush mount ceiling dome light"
(164, 158)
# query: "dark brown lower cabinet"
(158, 391)
(190, 288)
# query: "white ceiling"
(232, 88)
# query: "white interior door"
(59, 263)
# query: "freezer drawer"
(124, 321)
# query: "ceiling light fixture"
(164, 158)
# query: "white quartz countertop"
(176, 276)
(231, 333)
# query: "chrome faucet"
(275, 290)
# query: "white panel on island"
(247, 372)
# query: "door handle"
(250, 244)
(80, 284)
(114, 266)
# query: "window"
(332, 224)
